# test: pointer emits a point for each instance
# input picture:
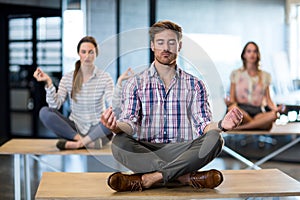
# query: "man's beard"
(169, 61)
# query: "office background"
(45, 33)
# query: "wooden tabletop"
(287, 129)
(237, 184)
(45, 146)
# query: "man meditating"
(165, 132)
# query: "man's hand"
(232, 119)
(109, 120)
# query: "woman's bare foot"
(73, 145)
(96, 144)
(77, 137)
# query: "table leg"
(241, 158)
(17, 176)
(278, 151)
(46, 163)
(27, 177)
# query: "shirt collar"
(153, 71)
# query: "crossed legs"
(65, 128)
(262, 121)
(159, 162)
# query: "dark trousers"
(171, 159)
(65, 128)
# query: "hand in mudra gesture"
(41, 76)
(232, 119)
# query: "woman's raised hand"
(41, 76)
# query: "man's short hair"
(165, 25)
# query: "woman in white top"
(249, 90)
(89, 90)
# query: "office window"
(20, 53)
(20, 29)
(134, 41)
(34, 41)
(46, 41)
(48, 28)
(73, 31)
(49, 54)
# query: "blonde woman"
(249, 91)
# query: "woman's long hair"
(77, 76)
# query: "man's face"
(166, 47)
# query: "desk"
(282, 130)
(22, 149)
(237, 184)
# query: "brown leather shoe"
(123, 182)
(206, 179)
